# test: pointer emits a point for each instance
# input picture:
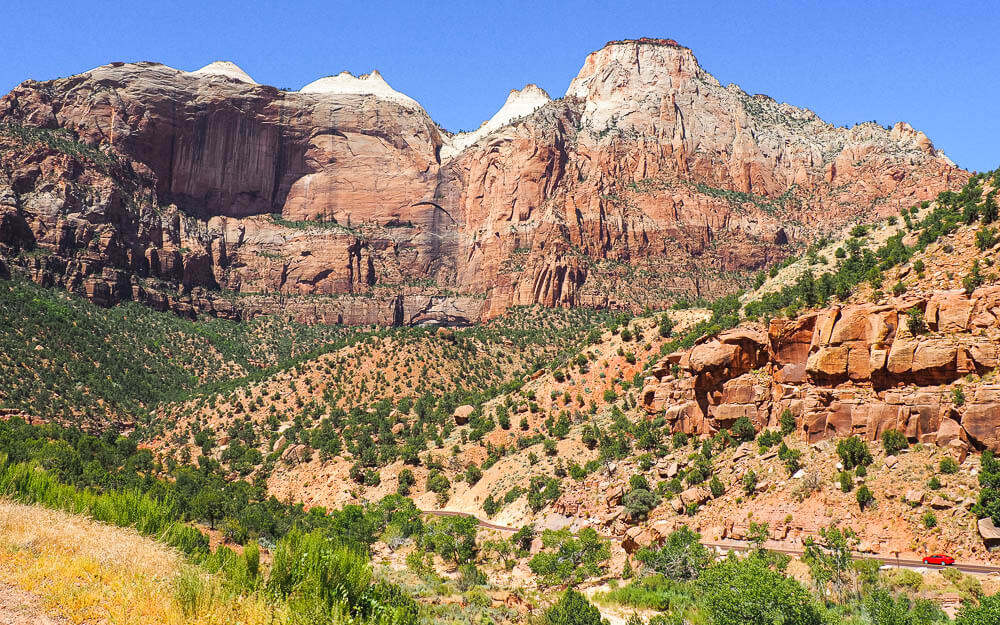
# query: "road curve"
(482, 523)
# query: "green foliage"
(406, 482)
(748, 592)
(787, 420)
(865, 497)
(858, 264)
(893, 442)
(988, 504)
(853, 452)
(986, 238)
(542, 490)
(915, 321)
(929, 520)
(743, 430)
(68, 359)
(791, 457)
(948, 465)
(974, 279)
(846, 481)
(680, 557)
(986, 613)
(829, 559)
(654, 592)
(958, 396)
(572, 609)
(680, 439)
(638, 502)
(451, 537)
(883, 609)
(473, 474)
(716, 486)
(469, 576)
(321, 574)
(569, 559)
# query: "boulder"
(462, 414)
(828, 363)
(982, 423)
(989, 532)
(695, 495)
(940, 503)
(949, 311)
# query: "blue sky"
(932, 64)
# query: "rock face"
(847, 370)
(649, 179)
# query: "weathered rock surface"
(848, 370)
(173, 187)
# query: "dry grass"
(92, 573)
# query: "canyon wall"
(206, 192)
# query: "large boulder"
(989, 532)
(982, 423)
(462, 414)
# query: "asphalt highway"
(966, 567)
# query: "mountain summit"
(649, 181)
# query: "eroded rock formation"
(856, 369)
(206, 192)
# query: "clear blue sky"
(933, 64)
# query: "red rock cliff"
(648, 179)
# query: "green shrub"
(893, 441)
(787, 420)
(853, 452)
(748, 592)
(865, 497)
(846, 481)
(743, 430)
(572, 609)
(987, 612)
(680, 557)
(569, 559)
(915, 321)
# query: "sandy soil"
(21, 608)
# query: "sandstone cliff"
(206, 192)
(855, 369)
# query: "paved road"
(482, 523)
(967, 567)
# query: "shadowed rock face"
(647, 180)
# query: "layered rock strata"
(648, 180)
(857, 369)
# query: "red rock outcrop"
(647, 180)
(856, 369)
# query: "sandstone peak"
(520, 102)
(227, 69)
(651, 61)
(365, 84)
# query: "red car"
(939, 559)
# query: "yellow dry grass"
(88, 572)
